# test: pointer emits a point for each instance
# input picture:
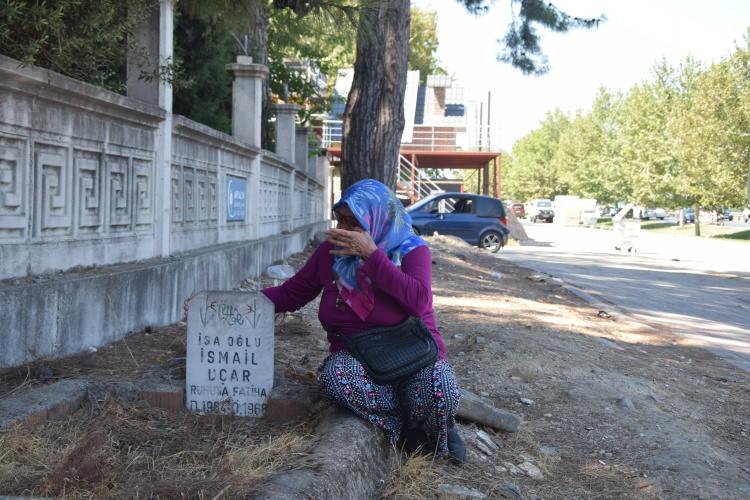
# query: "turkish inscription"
(230, 349)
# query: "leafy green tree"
(273, 33)
(83, 39)
(648, 155)
(710, 134)
(324, 40)
(532, 173)
(588, 156)
(679, 139)
(423, 44)
(203, 45)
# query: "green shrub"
(83, 39)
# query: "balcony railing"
(430, 137)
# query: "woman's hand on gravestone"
(356, 242)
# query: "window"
(453, 205)
(489, 207)
(429, 207)
(454, 110)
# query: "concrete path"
(697, 287)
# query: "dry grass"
(115, 450)
(248, 464)
(416, 478)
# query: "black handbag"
(392, 353)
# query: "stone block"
(481, 411)
(37, 406)
(351, 460)
(457, 492)
(165, 396)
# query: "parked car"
(746, 215)
(660, 213)
(688, 216)
(724, 214)
(609, 211)
(518, 210)
(647, 213)
(478, 220)
(540, 209)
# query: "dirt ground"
(611, 409)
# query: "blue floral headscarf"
(382, 215)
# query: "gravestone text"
(229, 353)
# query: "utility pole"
(481, 119)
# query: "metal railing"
(333, 131)
(428, 137)
(413, 182)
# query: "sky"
(619, 53)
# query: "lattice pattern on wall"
(300, 197)
(13, 188)
(314, 202)
(275, 199)
(52, 189)
(194, 197)
(71, 191)
(90, 177)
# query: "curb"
(39, 405)
(617, 312)
(351, 460)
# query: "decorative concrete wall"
(79, 172)
(152, 206)
(73, 311)
(77, 166)
(203, 162)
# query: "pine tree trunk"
(257, 33)
(374, 115)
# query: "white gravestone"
(229, 353)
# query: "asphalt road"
(696, 287)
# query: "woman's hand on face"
(356, 242)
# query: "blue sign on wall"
(236, 194)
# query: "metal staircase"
(412, 183)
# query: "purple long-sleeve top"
(398, 293)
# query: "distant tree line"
(680, 138)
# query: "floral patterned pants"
(428, 399)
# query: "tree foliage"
(204, 46)
(587, 159)
(83, 39)
(678, 139)
(648, 158)
(324, 37)
(711, 134)
(423, 44)
(530, 173)
(521, 45)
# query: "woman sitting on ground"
(374, 271)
